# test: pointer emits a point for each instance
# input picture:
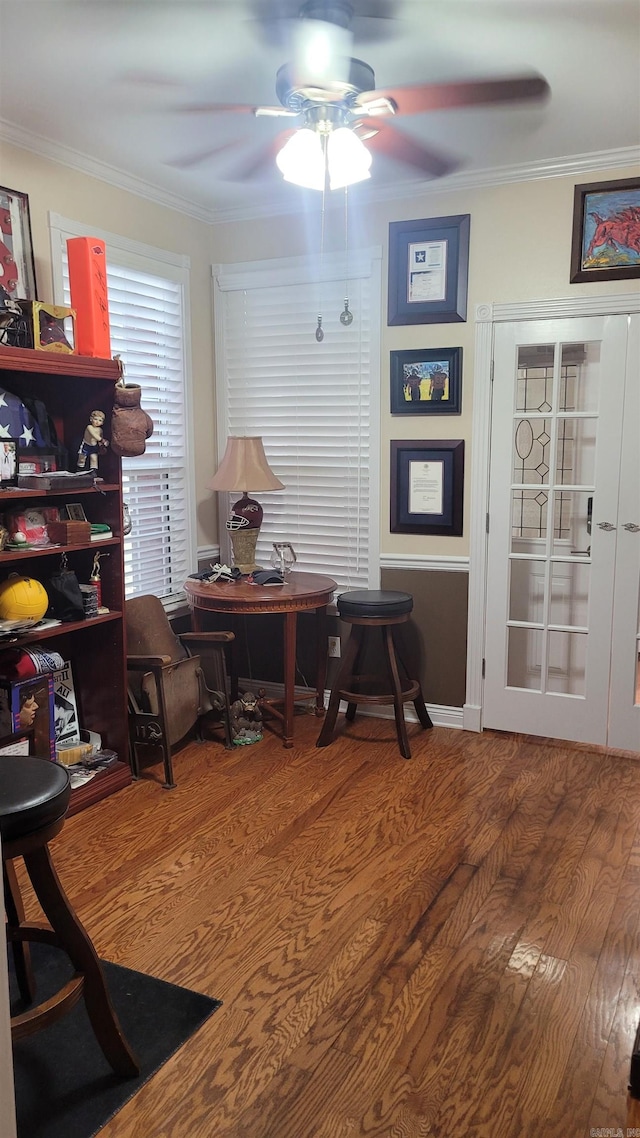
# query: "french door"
(562, 630)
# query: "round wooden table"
(300, 592)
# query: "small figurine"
(92, 442)
(246, 720)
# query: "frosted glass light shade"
(301, 160)
(348, 158)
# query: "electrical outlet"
(334, 645)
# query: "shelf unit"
(71, 387)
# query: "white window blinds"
(315, 405)
(147, 318)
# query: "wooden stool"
(365, 611)
(34, 798)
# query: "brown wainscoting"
(436, 636)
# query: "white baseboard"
(441, 715)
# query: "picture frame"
(427, 486)
(36, 460)
(17, 263)
(428, 270)
(74, 512)
(426, 381)
(605, 216)
(9, 462)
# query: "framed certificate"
(427, 484)
(428, 270)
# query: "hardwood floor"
(446, 946)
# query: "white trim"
(487, 315)
(295, 270)
(159, 262)
(563, 307)
(572, 165)
(117, 241)
(94, 168)
(436, 562)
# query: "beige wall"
(87, 200)
(520, 249)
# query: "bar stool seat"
(367, 610)
(34, 799)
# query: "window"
(315, 405)
(148, 310)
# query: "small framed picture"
(428, 269)
(427, 483)
(9, 462)
(75, 512)
(18, 269)
(426, 381)
(36, 460)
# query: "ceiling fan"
(332, 99)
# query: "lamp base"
(243, 544)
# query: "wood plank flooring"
(443, 946)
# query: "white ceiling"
(72, 71)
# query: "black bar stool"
(368, 610)
(34, 799)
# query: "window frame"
(333, 269)
(157, 262)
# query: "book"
(27, 705)
(65, 708)
(58, 480)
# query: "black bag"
(65, 598)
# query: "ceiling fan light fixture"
(301, 160)
(348, 159)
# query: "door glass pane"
(529, 519)
(579, 374)
(576, 452)
(526, 595)
(524, 659)
(566, 669)
(531, 450)
(572, 522)
(534, 383)
(569, 602)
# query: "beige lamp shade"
(244, 466)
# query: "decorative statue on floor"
(246, 720)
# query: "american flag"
(17, 422)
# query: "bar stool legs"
(366, 611)
(34, 799)
(69, 934)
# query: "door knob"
(631, 527)
(606, 526)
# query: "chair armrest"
(147, 663)
(204, 639)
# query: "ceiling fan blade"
(261, 161)
(220, 108)
(439, 96)
(393, 144)
(202, 155)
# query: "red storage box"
(88, 283)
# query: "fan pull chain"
(346, 317)
(319, 328)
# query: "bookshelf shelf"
(71, 387)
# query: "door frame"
(486, 317)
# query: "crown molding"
(94, 168)
(574, 165)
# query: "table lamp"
(244, 464)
